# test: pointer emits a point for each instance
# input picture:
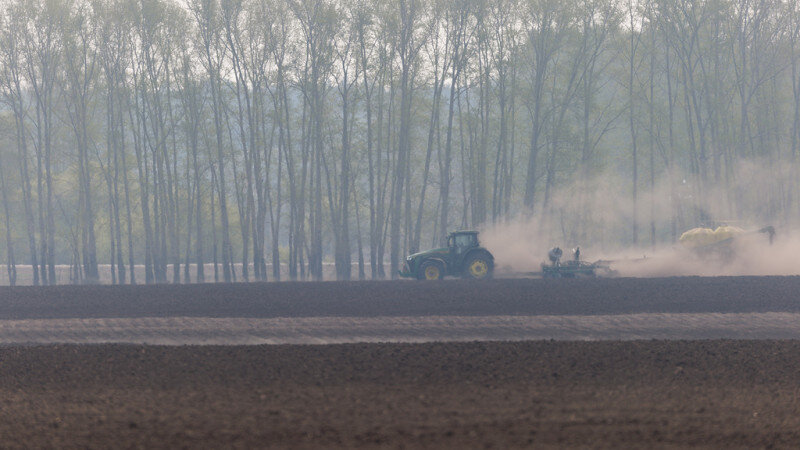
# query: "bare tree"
(12, 68)
(212, 52)
(408, 45)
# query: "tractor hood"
(434, 252)
(414, 260)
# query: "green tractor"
(463, 257)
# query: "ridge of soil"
(407, 298)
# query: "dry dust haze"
(592, 215)
(519, 247)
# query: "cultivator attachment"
(575, 268)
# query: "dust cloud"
(748, 254)
(519, 247)
(596, 215)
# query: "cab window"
(465, 240)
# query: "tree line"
(257, 135)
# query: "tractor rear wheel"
(478, 267)
(430, 270)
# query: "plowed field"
(611, 394)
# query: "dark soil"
(408, 298)
(610, 394)
(479, 395)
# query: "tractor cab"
(459, 242)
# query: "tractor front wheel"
(478, 267)
(430, 270)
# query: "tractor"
(463, 257)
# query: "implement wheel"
(430, 270)
(478, 267)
